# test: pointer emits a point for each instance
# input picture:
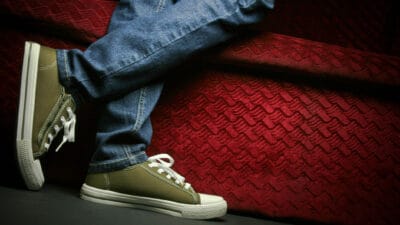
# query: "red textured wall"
(287, 126)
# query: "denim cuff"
(117, 164)
(64, 76)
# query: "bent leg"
(124, 129)
(138, 51)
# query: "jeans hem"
(119, 164)
(65, 76)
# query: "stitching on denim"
(66, 68)
(245, 4)
(127, 152)
(140, 109)
(166, 45)
(116, 161)
(160, 6)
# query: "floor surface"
(57, 205)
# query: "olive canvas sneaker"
(45, 110)
(154, 186)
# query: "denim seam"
(160, 6)
(140, 109)
(132, 159)
(67, 71)
(127, 152)
(165, 46)
(248, 4)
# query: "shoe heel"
(29, 167)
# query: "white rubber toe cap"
(206, 199)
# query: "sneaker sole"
(29, 167)
(190, 211)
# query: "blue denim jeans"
(144, 40)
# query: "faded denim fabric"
(144, 40)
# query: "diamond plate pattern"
(283, 147)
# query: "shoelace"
(165, 166)
(69, 130)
